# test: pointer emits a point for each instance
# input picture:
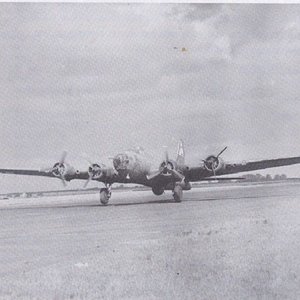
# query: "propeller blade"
(166, 155)
(87, 182)
(179, 175)
(63, 157)
(221, 152)
(213, 169)
(47, 170)
(63, 181)
(153, 175)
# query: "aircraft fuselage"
(131, 164)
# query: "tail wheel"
(104, 196)
(177, 193)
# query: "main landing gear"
(105, 194)
(177, 193)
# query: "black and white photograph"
(149, 150)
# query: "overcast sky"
(101, 78)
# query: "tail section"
(180, 153)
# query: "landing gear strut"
(105, 194)
(177, 193)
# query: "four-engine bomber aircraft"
(133, 167)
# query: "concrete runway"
(231, 242)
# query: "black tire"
(104, 196)
(158, 190)
(177, 193)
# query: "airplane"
(133, 166)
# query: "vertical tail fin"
(180, 153)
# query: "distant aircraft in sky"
(182, 49)
(133, 166)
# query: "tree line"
(268, 177)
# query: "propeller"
(212, 162)
(166, 168)
(163, 166)
(95, 170)
(59, 168)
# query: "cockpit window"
(121, 161)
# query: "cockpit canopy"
(121, 161)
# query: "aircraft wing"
(199, 173)
(81, 175)
(26, 172)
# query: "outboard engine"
(214, 163)
(61, 169)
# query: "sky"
(96, 79)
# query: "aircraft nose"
(120, 162)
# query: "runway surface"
(231, 242)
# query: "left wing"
(202, 172)
(50, 173)
(27, 172)
(67, 174)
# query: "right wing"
(199, 173)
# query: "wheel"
(104, 196)
(177, 193)
(157, 190)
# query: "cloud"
(99, 78)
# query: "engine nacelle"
(59, 169)
(213, 163)
(62, 170)
(158, 190)
(95, 170)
